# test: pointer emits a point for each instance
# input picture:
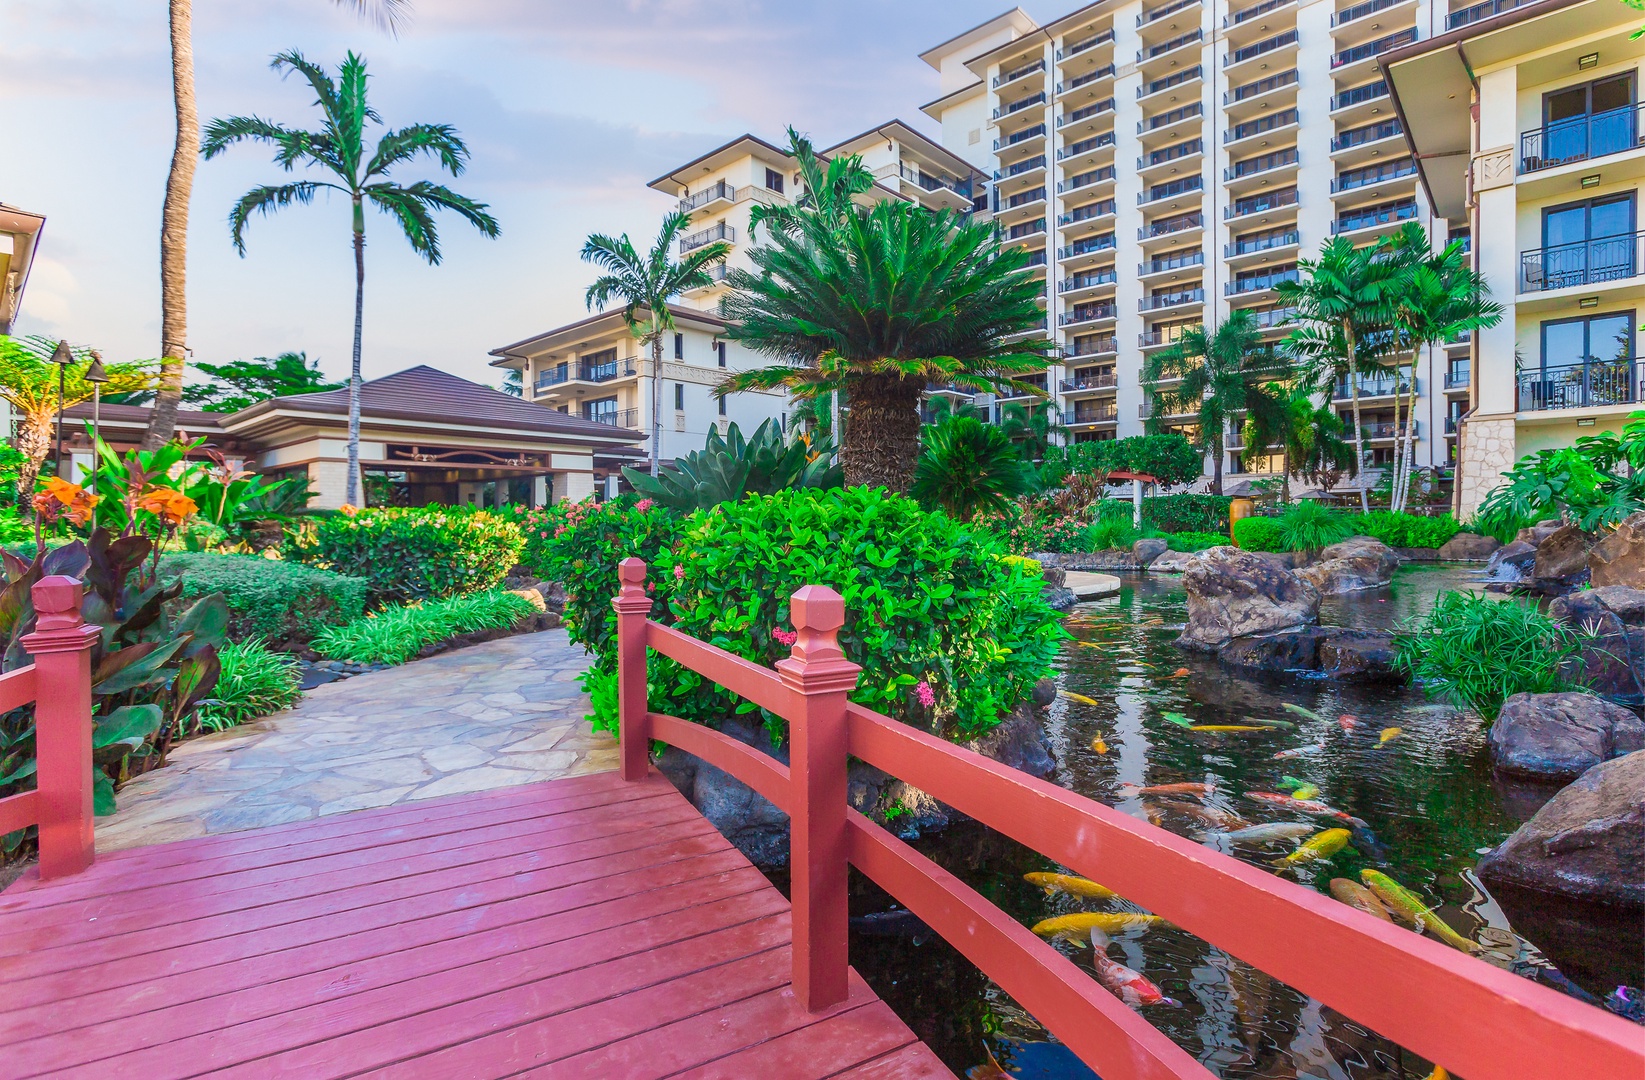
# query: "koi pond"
(1426, 796)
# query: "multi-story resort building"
(1527, 125)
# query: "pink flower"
(679, 573)
(927, 696)
(786, 637)
(643, 505)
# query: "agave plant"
(731, 466)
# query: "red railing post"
(820, 673)
(632, 606)
(61, 647)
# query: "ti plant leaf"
(129, 724)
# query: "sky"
(568, 107)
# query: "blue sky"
(568, 108)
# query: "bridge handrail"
(1475, 1019)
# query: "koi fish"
(1257, 835)
(1347, 722)
(1307, 806)
(1439, 1073)
(1227, 727)
(1308, 714)
(1090, 644)
(1321, 846)
(1305, 792)
(1081, 698)
(1299, 751)
(1067, 883)
(1127, 985)
(1408, 908)
(1178, 719)
(1208, 814)
(1358, 896)
(987, 1070)
(1078, 928)
(1098, 745)
(1181, 673)
(1269, 723)
(1389, 733)
(1200, 790)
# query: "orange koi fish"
(1199, 790)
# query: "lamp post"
(62, 356)
(97, 377)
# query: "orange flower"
(169, 504)
(77, 499)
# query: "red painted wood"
(1106, 1034)
(914, 1062)
(19, 811)
(749, 680)
(762, 772)
(61, 646)
(18, 688)
(815, 1051)
(632, 606)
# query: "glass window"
(679, 397)
(679, 346)
(774, 180)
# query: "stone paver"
(492, 715)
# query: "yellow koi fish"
(1389, 733)
(1077, 928)
(1306, 791)
(1358, 896)
(1067, 883)
(1319, 846)
(1439, 1073)
(1081, 698)
(1098, 745)
(1408, 908)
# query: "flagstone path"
(488, 716)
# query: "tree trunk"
(354, 479)
(656, 402)
(882, 439)
(1399, 445)
(1359, 433)
(1216, 461)
(1285, 480)
(174, 232)
(34, 443)
(1409, 438)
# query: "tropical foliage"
(1170, 459)
(882, 302)
(280, 602)
(967, 466)
(1598, 481)
(397, 634)
(1308, 526)
(253, 681)
(1407, 530)
(730, 466)
(1258, 534)
(1308, 435)
(1187, 512)
(359, 173)
(409, 554)
(240, 384)
(1475, 651)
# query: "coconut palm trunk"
(34, 443)
(174, 231)
(355, 483)
(1359, 432)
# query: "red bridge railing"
(1474, 1019)
(59, 684)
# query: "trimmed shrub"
(1109, 533)
(408, 554)
(1406, 530)
(395, 635)
(253, 681)
(285, 603)
(1477, 652)
(1258, 534)
(1308, 526)
(1196, 541)
(1187, 513)
(1034, 525)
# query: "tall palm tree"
(1343, 300)
(1218, 372)
(1033, 427)
(880, 303)
(339, 149)
(1440, 297)
(29, 384)
(174, 211)
(1309, 435)
(650, 282)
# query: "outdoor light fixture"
(1588, 301)
(1585, 423)
(62, 356)
(97, 377)
(1591, 180)
(1585, 62)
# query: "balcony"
(1458, 379)
(623, 418)
(1588, 262)
(1092, 346)
(1109, 414)
(1106, 37)
(1020, 104)
(1006, 77)
(1580, 138)
(719, 191)
(1086, 146)
(1371, 49)
(1187, 75)
(1089, 246)
(1167, 9)
(1260, 87)
(1272, 318)
(588, 373)
(1026, 229)
(1035, 132)
(1489, 9)
(1265, 163)
(1359, 95)
(1027, 165)
(1250, 13)
(1260, 48)
(1386, 431)
(707, 236)
(1259, 204)
(1175, 224)
(1157, 339)
(715, 273)
(1188, 185)
(1595, 384)
(1031, 197)
(1371, 176)
(1245, 285)
(1166, 119)
(1091, 382)
(1096, 108)
(1090, 212)
(1252, 245)
(1154, 52)
(1372, 217)
(1260, 126)
(1173, 262)
(1370, 133)
(1359, 11)
(1173, 299)
(1092, 280)
(1095, 75)
(1372, 386)
(1177, 153)
(1088, 313)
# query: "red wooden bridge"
(599, 927)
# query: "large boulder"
(1561, 560)
(1173, 562)
(1354, 565)
(1619, 558)
(1561, 736)
(1359, 656)
(1233, 593)
(1536, 534)
(1468, 547)
(1511, 562)
(1602, 608)
(1149, 548)
(1587, 843)
(1611, 623)
(1288, 650)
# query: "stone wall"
(1488, 449)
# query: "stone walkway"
(491, 715)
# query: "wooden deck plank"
(916, 1061)
(593, 929)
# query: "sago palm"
(1343, 300)
(966, 466)
(650, 282)
(1217, 370)
(29, 384)
(339, 150)
(881, 303)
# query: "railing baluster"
(61, 647)
(819, 672)
(633, 730)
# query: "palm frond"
(265, 200)
(440, 141)
(389, 15)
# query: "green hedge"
(418, 553)
(1187, 513)
(395, 635)
(1258, 534)
(1407, 530)
(285, 603)
(1194, 541)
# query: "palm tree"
(1440, 297)
(514, 383)
(174, 211)
(881, 302)
(966, 465)
(1343, 299)
(1216, 369)
(339, 148)
(1308, 434)
(650, 282)
(1032, 426)
(29, 383)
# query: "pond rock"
(1511, 562)
(1149, 548)
(1605, 607)
(1359, 656)
(1561, 560)
(1172, 562)
(1233, 594)
(1587, 844)
(1354, 565)
(1619, 558)
(1288, 650)
(1540, 531)
(1561, 736)
(1469, 547)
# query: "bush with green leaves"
(285, 603)
(730, 466)
(1406, 530)
(1169, 458)
(1195, 541)
(1597, 481)
(397, 634)
(1187, 512)
(253, 681)
(1033, 525)
(1258, 534)
(407, 554)
(966, 466)
(1308, 526)
(1107, 534)
(1477, 652)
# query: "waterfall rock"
(1233, 594)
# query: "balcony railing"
(1588, 262)
(1262, 124)
(1153, 339)
(1105, 208)
(602, 372)
(1027, 228)
(1580, 138)
(1279, 159)
(1087, 313)
(1456, 380)
(1373, 48)
(1384, 430)
(1252, 12)
(1183, 76)
(1481, 11)
(1258, 282)
(1382, 129)
(1165, 119)
(1024, 198)
(1360, 94)
(1089, 43)
(1256, 204)
(1017, 73)
(1084, 146)
(1260, 48)
(1186, 186)
(1172, 153)
(1593, 384)
(1167, 46)
(1090, 382)
(1175, 262)
(721, 231)
(1096, 416)
(1372, 386)
(1104, 72)
(1087, 246)
(1088, 281)
(1374, 174)
(1261, 86)
(1171, 299)
(1359, 11)
(1161, 12)
(1270, 318)
(1371, 216)
(1250, 245)
(1035, 258)
(1020, 104)
(719, 189)
(1174, 224)
(1020, 136)
(1092, 347)
(1096, 108)
(1023, 166)
(624, 418)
